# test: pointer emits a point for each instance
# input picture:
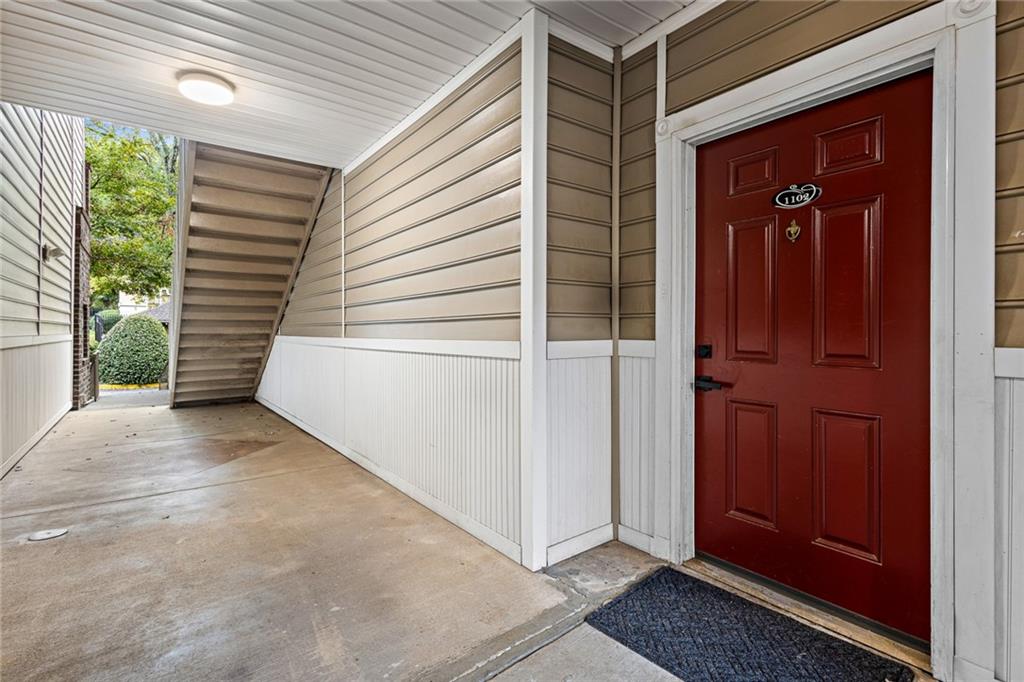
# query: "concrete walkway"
(224, 543)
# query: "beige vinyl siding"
(318, 290)
(637, 200)
(579, 194)
(732, 44)
(1010, 174)
(739, 41)
(41, 154)
(431, 246)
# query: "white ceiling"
(317, 81)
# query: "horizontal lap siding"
(728, 46)
(637, 196)
(1010, 174)
(431, 224)
(318, 291)
(20, 211)
(41, 172)
(738, 42)
(579, 194)
(59, 174)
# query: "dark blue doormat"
(699, 632)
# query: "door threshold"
(760, 591)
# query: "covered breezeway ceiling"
(315, 81)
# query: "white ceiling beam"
(692, 11)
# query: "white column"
(533, 297)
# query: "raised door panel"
(752, 291)
(847, 474)
(848, 147)
(751, 462)
(754, 172)
(847, 284)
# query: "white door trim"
(957, 41)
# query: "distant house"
(162, 313)
(129, 304)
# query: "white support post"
(533, 296)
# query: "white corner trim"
(22, 341)
(692, 11)
(633, 348)
(1009, 363)
(579, 544)
(463, 521)
(580, 40)
(497, 47)
(563, 350)
(533, 317)
(16, 456)
(479, 349)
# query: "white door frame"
(957, 41)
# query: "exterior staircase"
(243, 223)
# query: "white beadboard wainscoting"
(1009, 503)
(35, 391)
(636, 445)
(579, 447)
(439, 420)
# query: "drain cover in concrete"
(47, 534)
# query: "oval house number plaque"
(796, 196)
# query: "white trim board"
(564, 350)
(1009, 363)
(466, 523)
(692, 11)
(579, 544)
(633, 348)
(957, 41)
(457, 347)
(497, 47)
(22, 341)
(581, 40)
(16, 456)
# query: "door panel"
(847, 313)
(751, 475)
(812, 462)
(846, 509)
(752, 294)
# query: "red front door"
(812, 462)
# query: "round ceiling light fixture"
(206, 88)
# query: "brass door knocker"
(793, 232)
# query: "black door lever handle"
(706, 383)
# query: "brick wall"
(83, 390)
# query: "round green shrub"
(110, 318)
(133, 352)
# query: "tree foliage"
(132, 191)
(133, 352)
